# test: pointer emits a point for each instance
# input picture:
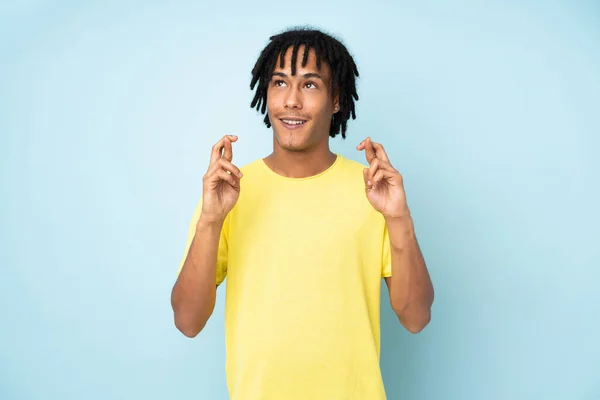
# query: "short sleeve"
(223, 247)
(386, 258)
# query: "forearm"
(193, 296)
(411, 290)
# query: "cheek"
(272, 99)
(324, 110)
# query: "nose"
(293, 99)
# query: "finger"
(213, 178)
(216, 151)
(370, 151)
(361, 145)
(218, 147)
(366, 178)
(380, 151)
(228, 167)
(377, 178)
(386, 175)
(373, 168)
(229, 178)
(384, 164)
(378, 164)
(228, 153)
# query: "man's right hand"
(221, 184)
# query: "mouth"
(292, 123)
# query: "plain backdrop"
(108, 110)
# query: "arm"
(411, 291)
(410, 287)
(194, 294)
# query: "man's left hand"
(383, 184)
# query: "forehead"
(310, 66)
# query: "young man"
(305, 237)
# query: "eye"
(311, 85)
(278, 83)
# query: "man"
(304, 237)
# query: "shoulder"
(352, 165)
(254, 174)
(252, 167)
(351, 168)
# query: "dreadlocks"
(328, 49)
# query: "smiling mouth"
(293, 122)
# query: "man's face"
(300, 106)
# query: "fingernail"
(240, 174)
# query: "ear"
(336, 103)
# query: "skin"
(410, 288)
(300, 153)
(308, 95)
(194, 293)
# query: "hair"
(328, 49)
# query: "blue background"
(108, 111)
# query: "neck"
(300, 164)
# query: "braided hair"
(327, 49)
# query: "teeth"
(290, 122)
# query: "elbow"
(190, 322)
(190, 318)
(189, 328)
(414, 322)
(417, 326)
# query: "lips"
(292, 123)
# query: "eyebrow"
(308, 75)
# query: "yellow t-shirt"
(304, 260)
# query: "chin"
(294, 146)
(292, 141)
(295, 149)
